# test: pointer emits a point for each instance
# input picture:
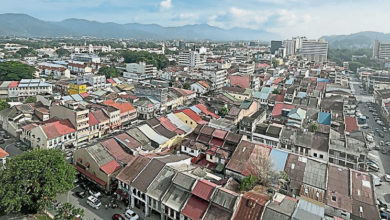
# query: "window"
(334, 198)
(315, 154)
(321, 156)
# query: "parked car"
(2, 141)
(94, 193)
(118, 217)
(386, 177)
(373, 166)
(94, 202)
(81, 194)
(129, 214)
(381, 143)
(7, 136)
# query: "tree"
(15, 71)
(3, 105)
(30, 99)
(186, 86)
(261, 166)
(314, 126)
(276, 91)
(33, 179)
(248, 183)
(223, 111)
(68, 212)
(61, 52)
(157, 60)
(109, 71)
(275, 62)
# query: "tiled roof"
(206, 111)
(242, 81)
(195, 208)
(123, 107)
(351, 124)
(204, 84)
(110, 167)
(203, 189)
(170, 126)
(277, 111)
(193, 116)
(218, 133)
(133, 169)
(128, 141)
(13, 84)
(3, 153)
(116, 151)
(29, 126)
(100, 115)
(148, 174)
(92, 119)
(57, 128)
(251, 206)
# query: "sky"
(287, 18)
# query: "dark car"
(81, 194)
(2, 141)
(118, 217)
(7, 136)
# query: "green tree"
(3, 104)
(276, 91)
(33, 179)
(223, 111)
(314, 126)
(275, 62)
(186, 86)
(157, 60)
(30, 99)
(61, 52)
(15, 71)
(68, 212)
(23, 52)
(109, 71)
(248, 183)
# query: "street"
(383, 191)
(10, 147)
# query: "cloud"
(166, 4)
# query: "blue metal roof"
(195, 109)
(279, 159)
(322, 80)
(324, 118)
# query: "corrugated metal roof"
(152, 135)
(179, 123)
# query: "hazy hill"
(357, 40)
(27, 26)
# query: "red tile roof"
(242, 81)
(170, 126)
(277, 111)
(29, 127)
(116, 151)
(203, 189)
(57, 128)
(3, 153)
(251, 206)
(123, 107)
(279, 98)
(13, 84)
(92, 120)
(277, 80)
(218, 133)
(216, 142)
(193, 116)
(195, 208)
(262, 65)
(351, 124)
(111, 81)
(204, 109)
(204, 84)
(85, 94)
(128, 141)
(110, 167)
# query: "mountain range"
(363, 39)
(23, 25)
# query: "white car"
(387, 177)
(95, 194)
(129, 214)
(94, 202)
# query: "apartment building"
(313, 50)
(28, 87)
(246, 68)
(86, 58)
(55, 70)
(190, 59)
(76, 114)
(217, 77)
(96, 81)
(381, 50)
(139, 71)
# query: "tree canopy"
(157, 60)
(223, 111)
(30, 99)
(61, 52)
(68, 212)
(33, 179)
(109, 71)
(3, 104)
(15, 71)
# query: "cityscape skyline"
(283, 17)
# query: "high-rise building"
(289, 45)
(312, 50)
(381, 50)
(139, 71)
(275, 45)
(190, 58)
(246, 68)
